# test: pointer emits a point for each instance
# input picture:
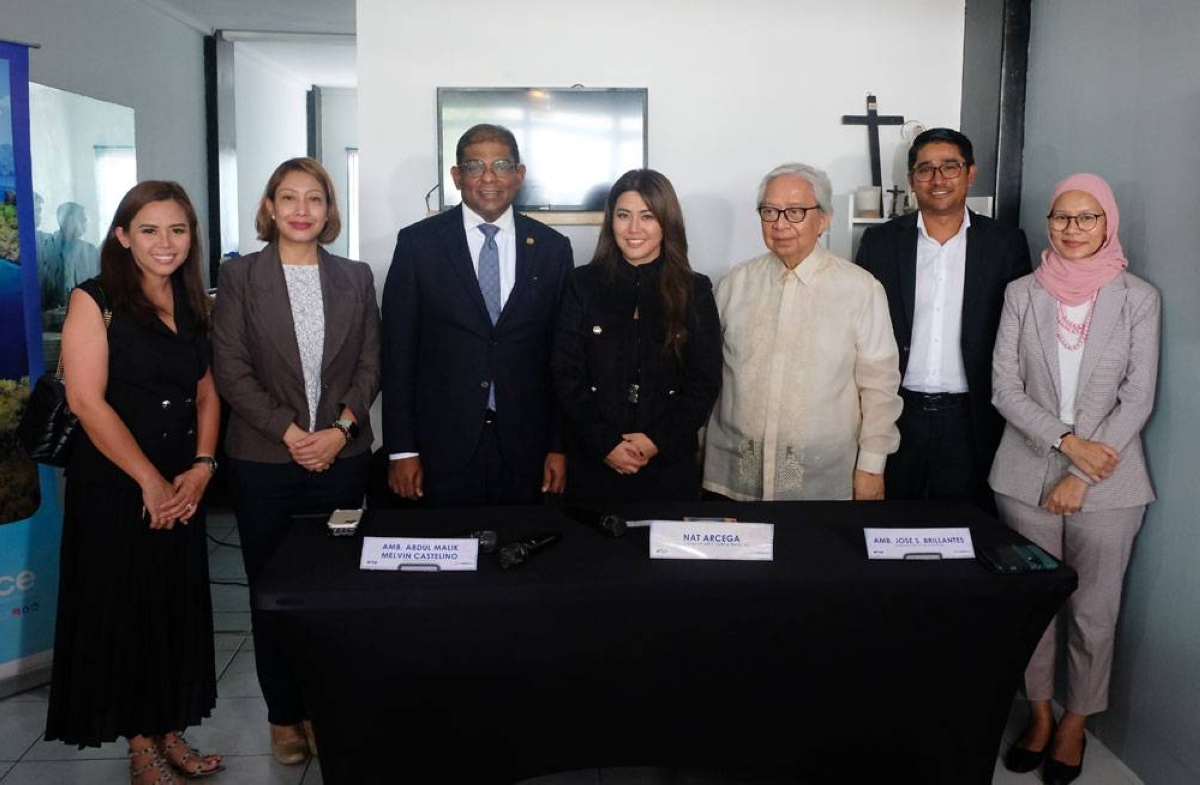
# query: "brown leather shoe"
(310, 738)
(288, 744)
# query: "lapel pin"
(529, 241)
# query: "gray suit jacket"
(256, 360)
(1117, 378)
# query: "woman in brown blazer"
(296, 357)
(1074, 371)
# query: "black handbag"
(48, 426)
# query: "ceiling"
(315, 60)
(283, 16)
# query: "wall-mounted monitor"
(574, 142)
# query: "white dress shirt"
(935, 363)
(809, 380)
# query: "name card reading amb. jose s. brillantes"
(420, 554)
(919, 543)
(696, 540)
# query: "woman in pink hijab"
(1073, 373)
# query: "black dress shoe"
(1021, 760)
(1055, 772)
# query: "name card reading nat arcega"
(726, 541)
(420, 554)
(954, 543)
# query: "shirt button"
(166, 405)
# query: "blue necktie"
(489, 285)
(489, 270)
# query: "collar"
(808, 268)
(962, 229)
(472, 219)
(631, 271)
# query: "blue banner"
(30, 517)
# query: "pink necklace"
(1079, 330)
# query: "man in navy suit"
(944, 269)
(469, 414)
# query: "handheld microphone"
(487, 540)
(605, 523)
(517, 553)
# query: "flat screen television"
(575, 142)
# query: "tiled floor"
(238, 727)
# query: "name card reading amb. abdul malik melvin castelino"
(420, 554)
(954, 543)
(699, 540)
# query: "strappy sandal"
(157, 767)
(208, 764)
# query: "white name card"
(952, 543)
(706, 540)
(420, 554)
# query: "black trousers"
(266, 496)
(589, 480)
(937, 458)
(486, 480)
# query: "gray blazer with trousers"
(1117, 378)
(256, 359)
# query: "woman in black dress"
(637, 353)
(133, 654)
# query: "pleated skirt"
(133, 651)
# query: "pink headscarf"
(1074, 282)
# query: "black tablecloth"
(822, 665)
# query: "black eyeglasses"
(951, 170)
(1086, 222)
(501, 167)
(794, 214)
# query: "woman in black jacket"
(637, 353)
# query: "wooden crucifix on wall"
(872, 120)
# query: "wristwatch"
(349, 429)
(207, 460)
(1058, 442)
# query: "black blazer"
(997, 254)
(440, 348)
(599, 347)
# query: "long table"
(819, 666)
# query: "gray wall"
(1113, 89)
(129, 53)
(983, 45)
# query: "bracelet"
(349, 429)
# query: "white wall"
(1113, 90)
(735, 88)
(339, 130)
(132, 54)
(270, 107)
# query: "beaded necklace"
(1068, 328)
